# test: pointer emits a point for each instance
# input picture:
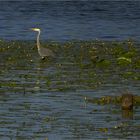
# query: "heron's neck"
(38, 42)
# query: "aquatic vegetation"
(49, 119)
(111, 100)
(41, 95)
(124, 60)
(92, 63)
(103, 63)
(105, 130)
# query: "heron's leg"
(43, 58)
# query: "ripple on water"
(47, 99)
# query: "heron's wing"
(46, 52)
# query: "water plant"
(93, 62)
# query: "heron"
(43, 52)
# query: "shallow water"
(67, 20)
(53, 99)
(47, 99)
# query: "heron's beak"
(32, 29)
(35, 29)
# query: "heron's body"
(43, 52)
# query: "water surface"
(47, 99)
(63, 98)
(67, 20)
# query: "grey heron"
(43, 52)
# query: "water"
(48, 99)
(61, 98)
(67, 20)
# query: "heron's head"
(35, 29)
